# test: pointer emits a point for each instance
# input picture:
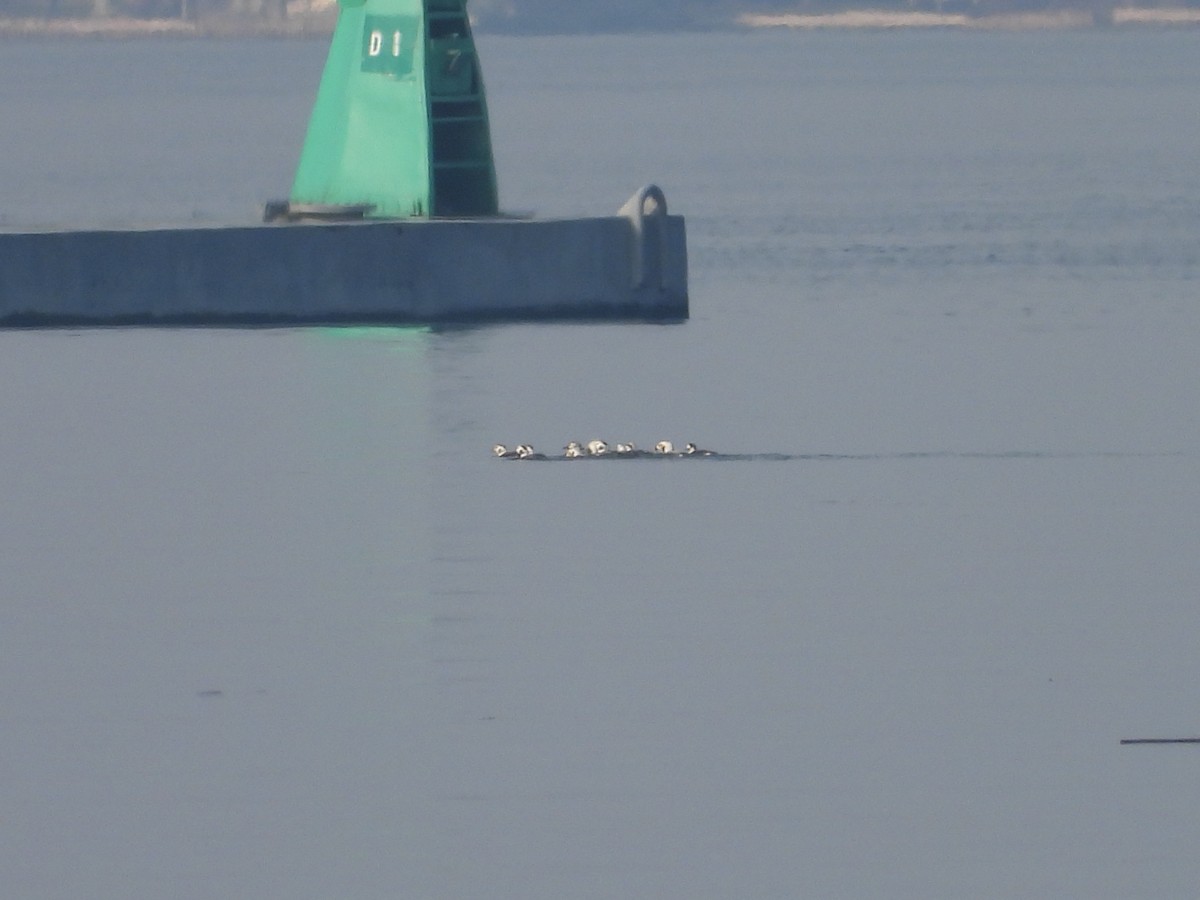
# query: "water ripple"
(860, 457)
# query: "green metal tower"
(400, 125)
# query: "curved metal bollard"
(646, 211)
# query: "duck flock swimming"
(601, 450)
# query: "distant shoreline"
(1032, 21)
(316, 24)
(316, 18)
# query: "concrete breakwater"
(373, 271)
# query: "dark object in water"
(1195, 740)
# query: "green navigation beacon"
(400, 125)
(397, 192)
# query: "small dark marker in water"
(1194, 740)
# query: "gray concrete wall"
(396, 271)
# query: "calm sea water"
(274, 625)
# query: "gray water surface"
(274, 624)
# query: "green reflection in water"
(404, 337)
